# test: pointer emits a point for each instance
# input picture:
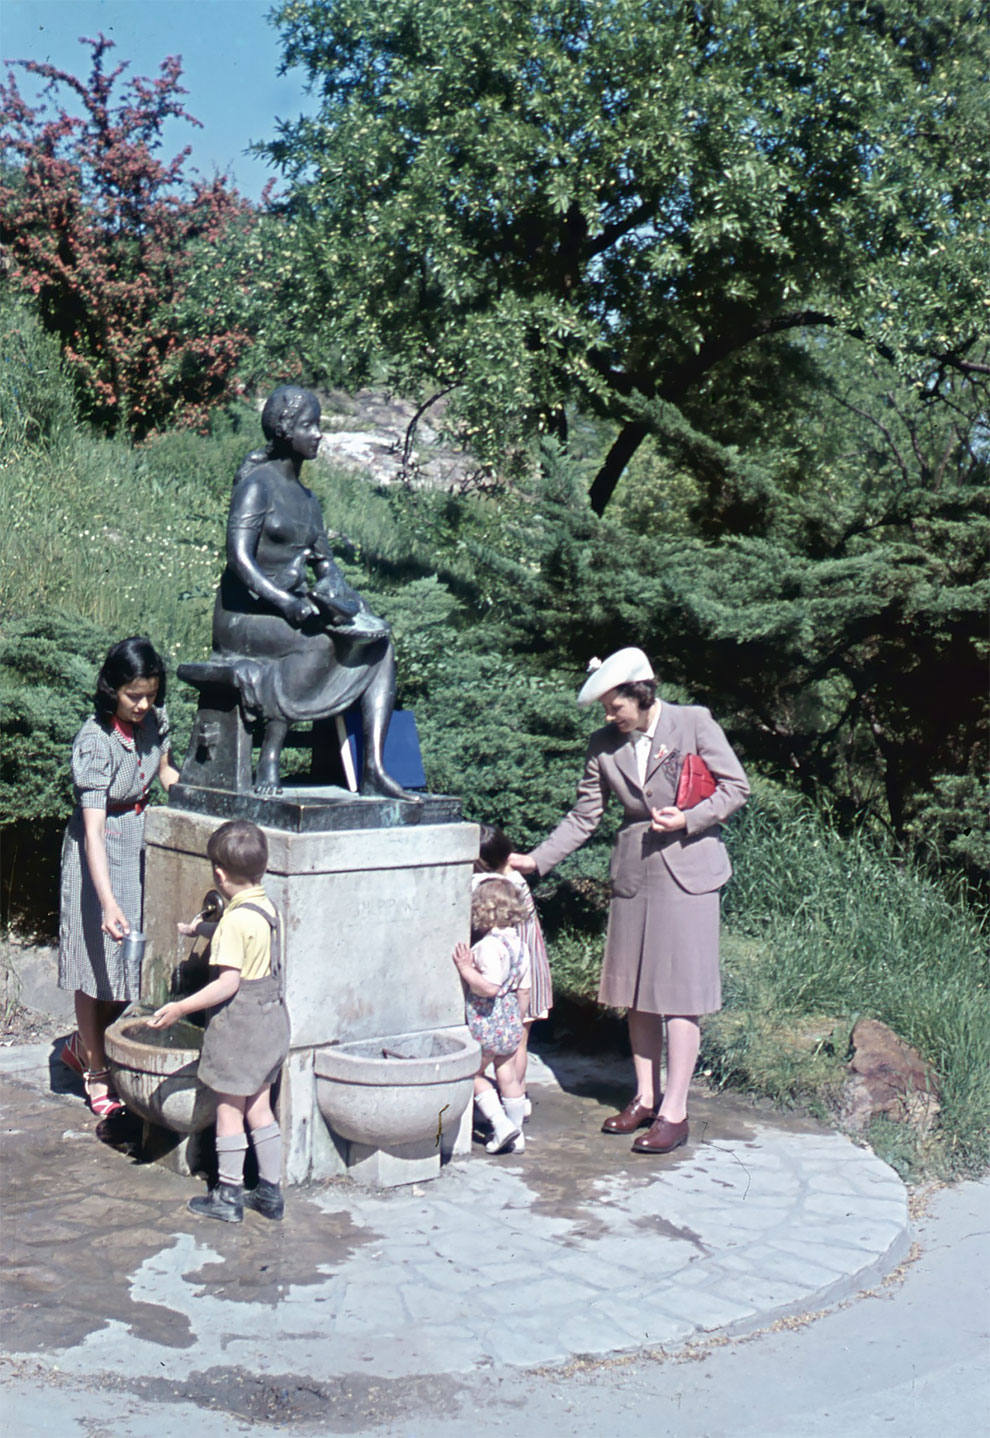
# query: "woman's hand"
(114, 922)
(168, 774)
(188, 931)
(666, 821)
(525, 863)
(166, 1016)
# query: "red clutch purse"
(696, 782)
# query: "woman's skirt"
(661, 952)
(88, 959)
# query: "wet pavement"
(365, 1301)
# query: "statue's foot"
(267, 781)
(379, 785)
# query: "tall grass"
(90, 530)
(833, 924)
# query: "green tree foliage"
(840, 642)
(496, 729)
(629, 203)
(128, 262)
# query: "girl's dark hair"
(644, 691)
(495, 904)
(134, 658)
(493, 850)
(240, 848)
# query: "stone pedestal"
(370, 915)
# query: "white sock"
(490, 1106)
(515, 1109)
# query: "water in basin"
(182, 1035)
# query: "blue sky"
(230, 59)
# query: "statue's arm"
(249, 507)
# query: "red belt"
(136, 808)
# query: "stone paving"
(577, 1248)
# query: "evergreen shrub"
(48, 667)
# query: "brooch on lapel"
(662, 752)
(670, 764)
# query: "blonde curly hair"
(495, 904)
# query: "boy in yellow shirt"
(247, 1034)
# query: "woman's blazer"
(696, 855)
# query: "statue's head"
(283, 409)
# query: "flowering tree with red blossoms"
(114, 243)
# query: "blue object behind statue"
(401, 753)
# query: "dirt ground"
(31, 1007)
(24, 1026)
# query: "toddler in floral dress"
(495, 972)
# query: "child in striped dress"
(493, 862)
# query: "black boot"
(225, 1202)
(266, 1198)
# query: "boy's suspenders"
(275, 924)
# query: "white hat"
(625, 666)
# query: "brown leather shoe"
(635, 1115)
(662, 1137)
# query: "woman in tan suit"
(668, 865)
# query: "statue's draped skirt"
(291, 672)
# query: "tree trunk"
(622, 451)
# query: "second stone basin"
(397, 1090)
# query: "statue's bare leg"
(268, 779)
(377, 703)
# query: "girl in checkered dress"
(115, 758)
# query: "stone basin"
(154, 1072)
(397, 1100)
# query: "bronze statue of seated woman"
(299, 642)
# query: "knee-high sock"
(489, 1105)
(230, 1158)
(267, 1145)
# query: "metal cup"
(133, 946)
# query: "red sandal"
(71, 1055)
(108, 1105)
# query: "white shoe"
(502, 1140)
(518, 1145)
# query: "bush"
(48, 669)
(127, 260)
